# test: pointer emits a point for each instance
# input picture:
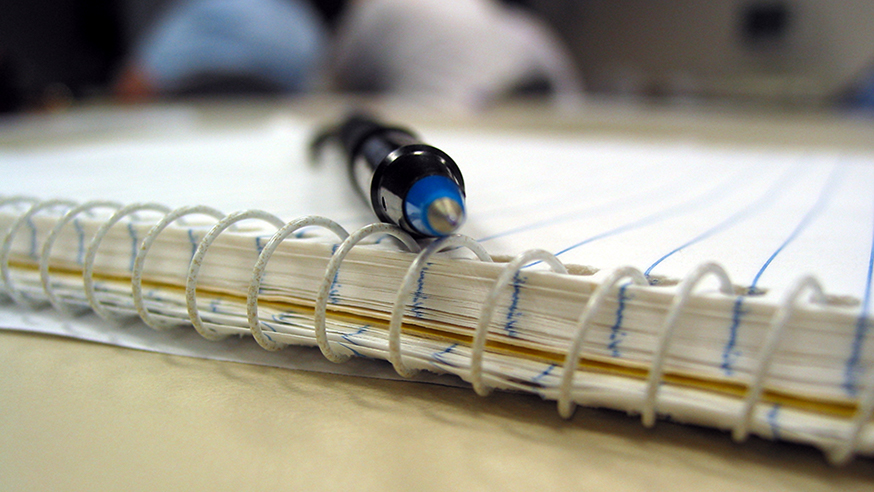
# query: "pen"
(408, 183)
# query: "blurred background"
(468, 53)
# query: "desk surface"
(83, 416)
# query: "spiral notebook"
(721, 286)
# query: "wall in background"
(792, 50)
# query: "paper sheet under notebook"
(769, 215)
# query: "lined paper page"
(262, 166)
(768, 215)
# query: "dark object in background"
(57, 46)
(764, 22)
(12, 91)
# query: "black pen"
(412, 185)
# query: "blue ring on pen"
(422, 194)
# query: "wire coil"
(27, 208)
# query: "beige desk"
(81, 416)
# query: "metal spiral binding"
(397, 312)
(49, 243)
(648, 411)
(4, 254)
(864, 411)
(91, 254)
(566, 404)
(838, 454)
(6, 247)
(331, 273)
(143, 252)
(490, 305)
(258, 272)
(772, 340)
(209, 332)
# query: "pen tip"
(445, 215)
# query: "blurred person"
(466, 52)
(463, 52)
(227, 46)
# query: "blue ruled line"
(513, 313)
(258, 242)
(772, 421)
(438, 356)
(418, 296)
(729, 354)
(132, 232)
(32, 228)
(193, 240)
(616, 333)
(266, 334)
(354, 352)
(543, 374)
(722, 188)
(348, 336)
(80, 237)
(821, 201)
(695, 203)
(851, 371)
(764, 201)
(334, 290)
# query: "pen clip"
(318, 142)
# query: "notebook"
(713, 285)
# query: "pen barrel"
(363, 135)
(385, 162)
(367, 143)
